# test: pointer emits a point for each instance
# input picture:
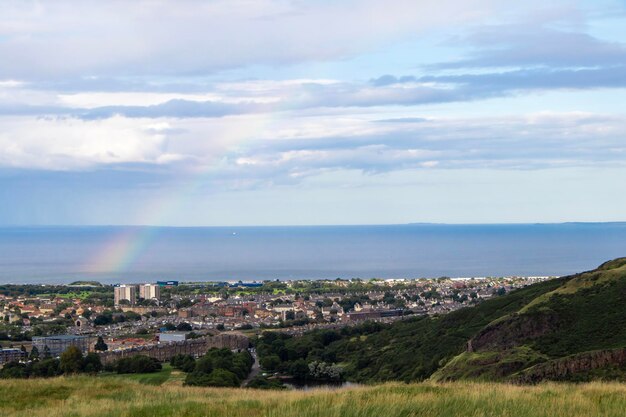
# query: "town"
(127, 317)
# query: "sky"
(289, 112)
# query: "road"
(256, 368)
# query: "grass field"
(70, 295)
(121, 396)
(167, 376)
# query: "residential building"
(59, 343)
(172, 337)
(9, 355)
(125, 292)
(150, 292)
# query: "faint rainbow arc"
(122, 251)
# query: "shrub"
(261, 382)
(185, 363)
(137, 364)
(71, 360)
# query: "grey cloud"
(545, 141)
(403, 120)
(417, 91)
(389, 79)
(175, 108)
(610, 77)
(535, 45)
(114, 38)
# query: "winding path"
(256, 368)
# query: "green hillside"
(575, 332)
(409, 350)
(570, 328)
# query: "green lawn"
(167, 374)
(70, 295)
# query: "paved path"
(256, 368)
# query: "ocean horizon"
(124, 254)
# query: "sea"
(129, 254)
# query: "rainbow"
(122, 250)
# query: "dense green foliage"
(185, 363)
(100, 345)
(110, 317)
(509, 334)
(36, 369)
(588, 319)
(409, 350)
(29, 290)
(262, 382)
(219, 368)
(138, 364)
(72, 361)
(587, 313)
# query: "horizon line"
(15, 226)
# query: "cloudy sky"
(264, 112)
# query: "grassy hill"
(409, 350)
(576, 332)
(570, 328)
(100, 397)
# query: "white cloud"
(58, 38)
(11, 83)
(69, 144)
(275, 148)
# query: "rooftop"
(59, 337)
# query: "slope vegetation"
(577, 332)
(570, 328)
(410, 350)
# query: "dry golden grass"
(96, 397)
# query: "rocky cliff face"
(567, 368)
(576, 331)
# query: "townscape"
(127, 317)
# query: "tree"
(323, 370)
(299, 369)
(219, 367)
(100, 345)
(46, 368)
(137, 364)
(184, 327)
(34, 353)
(270, 363)
(71, 360)
(46, 352)
(103, 319)
(185, 363)
(92, 363)
(184, 303)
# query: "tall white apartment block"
(150, 292)
(125, 292)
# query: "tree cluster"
(71, 361)
(137, 364)
(220, 368)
